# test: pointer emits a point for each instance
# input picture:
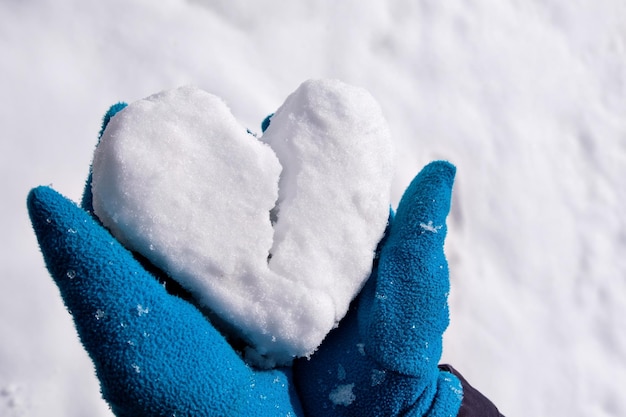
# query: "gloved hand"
(156, 355)
(382, 359)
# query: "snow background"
(526, 98)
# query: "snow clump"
(275, 235)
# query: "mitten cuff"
(474, 403)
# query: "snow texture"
(527, 99)
(342, 395)
(177, 179)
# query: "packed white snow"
(343, 395)
(276, 236)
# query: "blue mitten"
(382, 359)
(154, 353)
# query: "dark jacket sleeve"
(474, 403)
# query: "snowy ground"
(526, 98)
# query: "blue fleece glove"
(156, 354)
(382, 359)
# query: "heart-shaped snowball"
(274, 235)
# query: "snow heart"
(274, 235)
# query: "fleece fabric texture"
(87, 201)
(156, 355)
(382, 359)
